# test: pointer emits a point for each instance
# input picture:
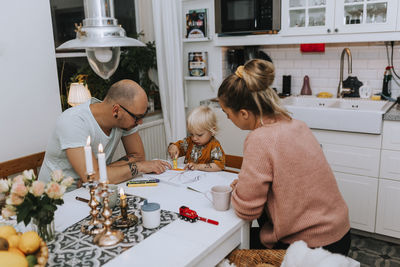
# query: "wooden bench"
(18, 165)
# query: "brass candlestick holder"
(125, 220)
(95, 225)
(108, 237)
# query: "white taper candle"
(88, 157)
(101, 158)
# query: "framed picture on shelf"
(197, 64)
(196, 23)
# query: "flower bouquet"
(34, 201)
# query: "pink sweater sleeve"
(250, 194)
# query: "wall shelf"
(191, 78)
(194, 40)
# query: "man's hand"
(155, 166)
(173, 151)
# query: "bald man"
(107, 122)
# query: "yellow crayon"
(144, 184)
(175, 163)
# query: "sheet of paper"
(197, 180)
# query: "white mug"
(151, 214)
(220, 196)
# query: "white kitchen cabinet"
(360, 194)
(305, 17)
(390, 165)
(391, 136)
(354, 159)
(365, 15)
(388, 214)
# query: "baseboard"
(376, 236)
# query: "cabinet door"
(354, 160)
(353, 16)
(360, 194)
(305, 17)
(388, 213)
(390, 167)
(391, 135)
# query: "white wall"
(29, 103)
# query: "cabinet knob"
(328, 30)
(336, 29)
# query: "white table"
(180, 243)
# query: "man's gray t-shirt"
(71, 131)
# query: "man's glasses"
(136, 117)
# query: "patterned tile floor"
(371, 252)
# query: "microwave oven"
(236, 17)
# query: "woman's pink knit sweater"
(285, 172)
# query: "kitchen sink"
(340, 114)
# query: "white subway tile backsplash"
(368, 63)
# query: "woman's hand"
(173, 151)
(233, 184)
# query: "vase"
(45, 231)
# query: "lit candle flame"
(100, 148)
(88, 141)
(121, 193)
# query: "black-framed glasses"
(136, 117)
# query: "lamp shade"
(78, 94)
(101, 37)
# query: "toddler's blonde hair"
(202, 118)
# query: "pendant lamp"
(101, 37)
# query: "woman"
(284, 174)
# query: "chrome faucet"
(341, 91)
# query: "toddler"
(201, 150)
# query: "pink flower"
(4, 186)
(7, 212)
(67, 181)
(14, 199)
(18, 179)
(19, 188)
(54, 190)
(37, 188)
(57, 176)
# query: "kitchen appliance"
(239, 56)
(239, 17)
(286, 85)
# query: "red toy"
(190, 215)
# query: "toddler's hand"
(173, 151)
(191, 166)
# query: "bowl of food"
(22, 249)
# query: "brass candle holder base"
(95, 225)
(108, 237)
(121, 222)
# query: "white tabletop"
(180, 243)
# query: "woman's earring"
(116, 116)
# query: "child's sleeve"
(218, 155)
(182, 146)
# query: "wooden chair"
(234, 162)
(18, 165)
